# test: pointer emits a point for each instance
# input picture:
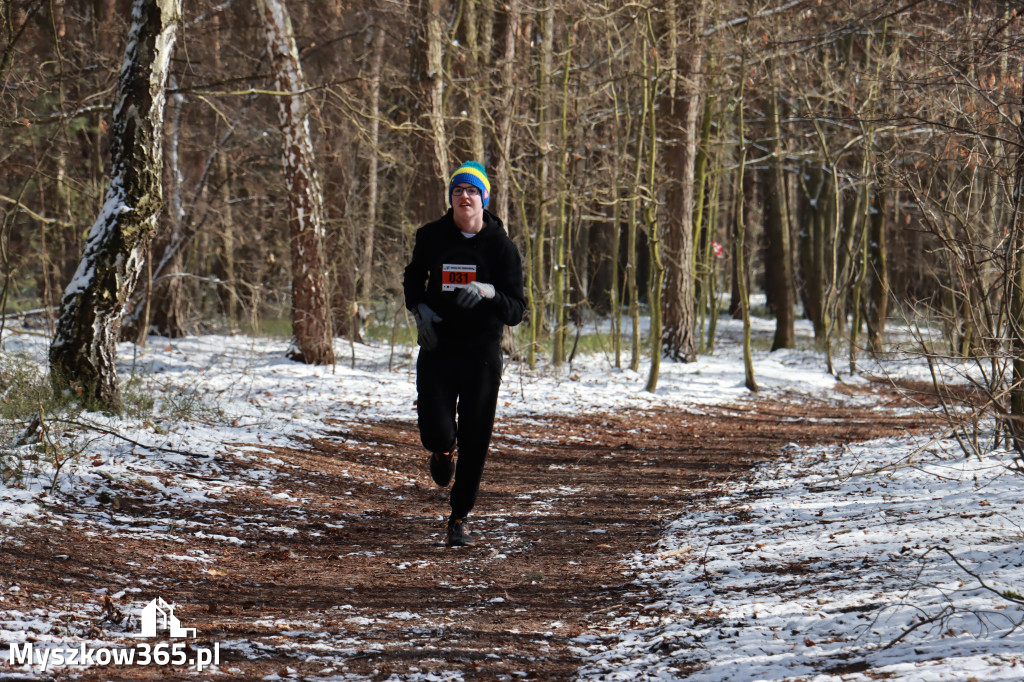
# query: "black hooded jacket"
(490, 257)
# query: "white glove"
(426, 335)
(473, 293)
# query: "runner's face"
(467, 203)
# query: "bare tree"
(740, 227)
(435, 74)
(83, 351)
(545, 17)
(311, 325)
(780, 254)
(679, 340)
(503, 124)
(878, 271)
(366, 259)
(1015, 278)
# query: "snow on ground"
(250, 393)
(861, 561)
(886, 557)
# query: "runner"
(463, 285)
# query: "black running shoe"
(442, 467)
(456, 536)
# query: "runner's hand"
(426, 335)
(473, 293)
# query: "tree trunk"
(679, 340)
(502, 186)
(167, 295)
(815, 205)
(618, 285)
(560, 243)
(83, 352)
(859, 271)
(878, 294)
(373, 184)
(739, 238)
(651, 75)
(703, 259)
(632, 284)
(167, 307)
(225, 268)
(311, 324)
(224, 262)
(1016, 280)
(546, 21)
(711, 297)
(748, 188)
(435, 76)
(476, 57)
(502, 139)
(780, 255)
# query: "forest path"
(327, 561)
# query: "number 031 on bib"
(455, 276)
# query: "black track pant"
(458, 392)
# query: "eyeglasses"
(468, 191)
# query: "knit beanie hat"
(474, 174)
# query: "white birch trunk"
(311, 326)
(366, 262)
(502, 195)
(83, 351)
(436, 75)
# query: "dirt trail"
(337, 566)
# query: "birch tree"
(311, 326)
(83, 352)
(366, 259)
(503, 127)
(435, 76)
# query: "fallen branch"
(942, 615)
(950, 609)
(908, 461)
(109, 431)
(1005, 594)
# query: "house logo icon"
(159, 614)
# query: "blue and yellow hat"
(473, 173)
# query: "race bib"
(454, 276)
